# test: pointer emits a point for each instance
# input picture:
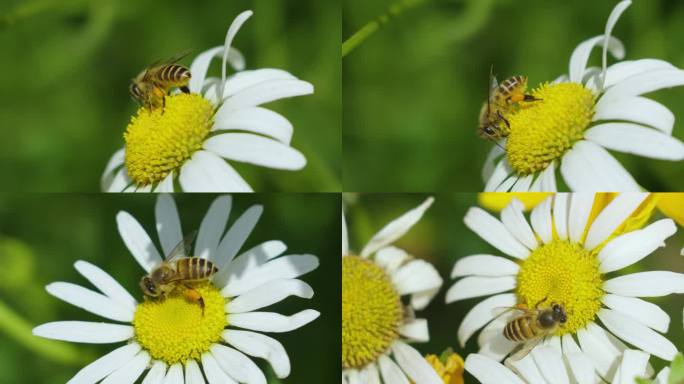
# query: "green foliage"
(677, 370)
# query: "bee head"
(559, 313)
(135, 91)
(149, 287)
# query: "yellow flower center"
(449, 368)
(371, 312)
(174, 330)
(563, 273)
(157, 142)
(542, 131)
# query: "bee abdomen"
(174, 73)
(196, 268)
(520, 329)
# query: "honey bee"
(533, 325)
(178, 270)
(502, 99)
(152, 85)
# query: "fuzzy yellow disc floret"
(174, 330)
(371, 312)
(159, 141)
(542, 131)
(563, 273)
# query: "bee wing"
(499, 311)
(526, 348)
(183, 248)
(177, 57)
(492, 80)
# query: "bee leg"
(201, 304)
(531, 98)
(185, 89)
(191, 294)
(503, 118)
(536, 306)
(163, 104)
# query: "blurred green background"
(441, 238)
(41, 236)
(412, 92)
(66, 66)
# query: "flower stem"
(20, 330)
(394, 11)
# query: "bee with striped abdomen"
(178, 270)
(152, 85)
(502, 99)
(533, 325)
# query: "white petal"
(488, 371)
(114, 162)
(415, 366)
(494, 232)
(633, 365)
(370, 373)
(90, 301)
(156, 374)
(237, 235)
(391, 373)
(637, 334)
(513, 219)
(245, 79)
(268, 294)
(611, 217)
(249, 259)
(396, 228)
(138, 241)
(416, 330)
(610, 24)
(106, 284)
(193, 374)
(268, 91)
(484, 265)
(391, 258)
(542, 221)
(476, 286)
(345, 236)
(286, 267)
(258, 150)
(214, 373)
(84, 332)
(527, 368)
(207, 172)
(120, 181)
(663, 376)
(212, 227)
(644, 83)
(618, 72)
(237, 365)
(230, 35)
(129, 372)
(550, 363)
(581, 367)
(489, 166)
(168, 223)
(256, 120)
(523, 184)
(102, 367)
(199, 68)
(599, 348)
(491, 341)
(272, 322)
(166, 185)
(174, 375)
(637, 109)
(416, 276)
(580, 208)
(481, 314)
(637, 140)
(546, 182)
(498, 176)
(507, 184)
(580, 56)
(631, 247)
(258, 345)
(646, 284)
(587, 167)
(561, 206)
(642, 311)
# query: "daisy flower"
(581, 116)
(566, 258)
(632, 364)
(187, 144)
(174, 338)
(376, 324)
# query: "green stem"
(394, 11)
(20, 330)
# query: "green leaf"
(677, 370)
(639, 380)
